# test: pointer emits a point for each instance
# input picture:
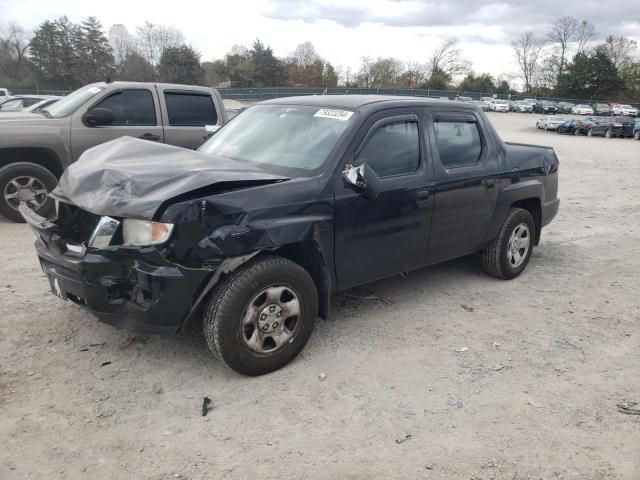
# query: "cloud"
(466, 15)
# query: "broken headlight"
(144, 232)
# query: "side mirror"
(97, 117)
(362, 178)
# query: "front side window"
(131, 107)
(190, 110)
(458, 143)
(393, 149)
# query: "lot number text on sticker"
(342, 115)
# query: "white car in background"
(625, 110)
(499, 106)
(582, 109)
(487, 100)
(550, 122)
(523, 107)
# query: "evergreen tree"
(181, 65)
(95, 56)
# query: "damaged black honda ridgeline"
(294, 199)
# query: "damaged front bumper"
(135, 288)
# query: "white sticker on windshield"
(341, 115)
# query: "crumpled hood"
(129, 177)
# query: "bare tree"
(584, 34)
(305, 54)
(560, 35)
(122, 43)
(14, 42)
(152, 40)
(448, 59)
(527, 50)
(619, 50)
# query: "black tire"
(636, 135)
(608, 134)
(25, 169)
(589, 133)
(495, 260)
(576, 132)
(222, 323)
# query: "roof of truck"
(354, 102)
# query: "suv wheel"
(589, 133)
(25, 182)
(576, 132)
(261, 316)
(637, 135)
(608, 134)
(508, 254)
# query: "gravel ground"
(447, 373)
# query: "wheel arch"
(44, 157)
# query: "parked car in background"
(601, 109)
(565, 107)
(572, 127)
(29, 103)
(636, 130)
(531, 101)
(550, 122)
(4, 94)
(545, 106)
(233, 107)
(512, 105)
(487, 100)
(622, 127)
(252, 233)
(36, 107)
(523, 107)
(625, 110)
(498, 105)
(35, 148)
(484, 106)
(582, 109)
(464, 99)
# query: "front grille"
(74, 224)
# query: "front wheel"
(608, 134)
(25, 182)
(576, 132)
(508, 254)
(589, 133)
(261, 316)
(636, 135)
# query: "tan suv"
(35, 148)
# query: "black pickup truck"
(294, 199)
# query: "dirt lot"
(447, 373)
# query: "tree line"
(62, 55)
(566, 61)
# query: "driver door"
(375, 238)
(136, 115)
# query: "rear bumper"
(135, 289)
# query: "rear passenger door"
(186, 114)
(465, 194)
(135, 112)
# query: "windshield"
(289, 136)
(69, 104)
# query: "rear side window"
(131, 107)
(190, 110)
(458, 143)
(393, 149)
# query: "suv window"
(190, 110)
(393, 149)
(131, 107)
(458, 143)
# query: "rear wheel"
(576, 132)
(608, 134)
(508, 254)
(25, 182)
(589, 133)
(636, 135)
(261, 316)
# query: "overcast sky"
(345, 30)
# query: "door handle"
(490, 183)
(422, 194)
(150, 136)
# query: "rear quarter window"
(190, 110)
(458, 143)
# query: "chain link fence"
(257, 94)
